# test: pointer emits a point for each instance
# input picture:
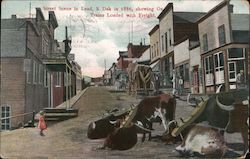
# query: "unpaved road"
(68, 140)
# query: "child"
(41, 124)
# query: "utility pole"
(30, 11)
(105, 64)
(132, 31)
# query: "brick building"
(24, 78)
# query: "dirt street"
(68, 139)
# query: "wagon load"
(139, 78)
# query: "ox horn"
(224, 107)
(218, 89)
(112, 122)
(93, 125)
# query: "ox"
(122, 138)
(222, 116)
(103, 127)
(202, 141)
(238, 116)
(163, 105)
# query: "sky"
(97, 33)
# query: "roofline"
(156, 27)
(213, 10)
(165, 10)
(38, 10)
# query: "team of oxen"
(201, 135)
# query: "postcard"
(124, 79)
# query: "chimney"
(231, 8)
(13, 16)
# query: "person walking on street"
(42, 124)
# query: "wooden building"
(224, 42)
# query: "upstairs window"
(34, 72)
(170, 40)
(166, 41)
(157, 46)
(40, 75)
(162, 43)
(222, 35)
(46, 76)
(205, 43)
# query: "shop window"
(232, 71)
(208, 63)
(236, 53)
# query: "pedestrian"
(180, 82)
(240, 80)
(42, 124)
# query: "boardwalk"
(68, 139)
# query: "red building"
(135, 51)
(122, 63)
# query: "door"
(219, 68)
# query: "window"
(205, 43)
(208, 64)
(154, 50)
(170, 41)
(27, 69)
(157, 46)
(236, 53)
(222, 36)
(218, 61)
(45, 80)
(166, 41)
(162, 43)
(40, 74)
(58, 79)
(232, 71)
(34, 72)
(186, 72)
(5, 121)
(171, 66)
(151, 51)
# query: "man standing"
(240, 80)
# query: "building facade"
(174, 26)
(224, 47)
(24, 78)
